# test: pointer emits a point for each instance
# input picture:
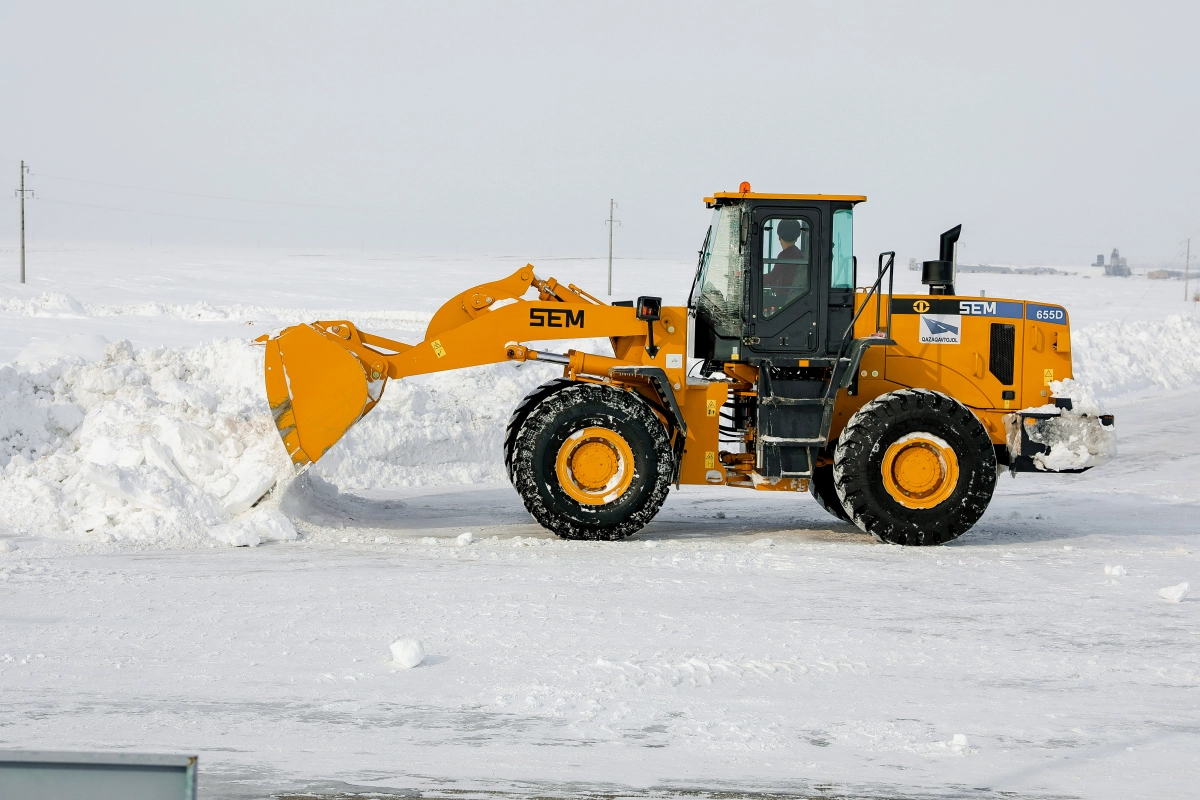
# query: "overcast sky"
(1051, 131)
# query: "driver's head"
(789, 231)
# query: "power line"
(192, 216)
(210, 196)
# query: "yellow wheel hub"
(594, 466)
(920, 470)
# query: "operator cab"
(776, 277)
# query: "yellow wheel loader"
(895, 411)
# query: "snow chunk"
(464, 539)
(7, 547)
(407, 653)
(251, 530)
(1082, 399)
(1175, 594)
(1116, 571)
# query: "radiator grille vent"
(1003, 354)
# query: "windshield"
(717, 293)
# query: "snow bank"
(1114, 358)
(163, 446)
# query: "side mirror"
(649, 309)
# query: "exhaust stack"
(939, 275)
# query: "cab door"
(787, 292)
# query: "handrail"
(888, 269)
(846, 338)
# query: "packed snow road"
(766, 649)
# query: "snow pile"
(1116, 571)
(1075, 438)
(47, 304)
(1114, 357)
(163, 446)
(445, 429)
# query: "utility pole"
(21, 193)
(1187, 264)
(612, 206)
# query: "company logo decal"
(555, 318)
(971, 308)
(940, 329)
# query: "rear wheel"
(915, 467)
(821, 487)
(591, 462)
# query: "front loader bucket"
(316, 388)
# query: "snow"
(743, 641)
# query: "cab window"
(841, 276)
(786, 263)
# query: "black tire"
(821, 487)
(860, 455)
(522, 411)
(543, 433)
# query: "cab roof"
(719, 196)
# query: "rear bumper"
(1058, 440)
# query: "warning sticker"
(940, 329)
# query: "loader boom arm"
(323, 377)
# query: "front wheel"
(915, 467)
(592, 462)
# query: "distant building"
(914, 265)
(1117, 266)
(1099, 260)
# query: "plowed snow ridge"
(177, 448)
